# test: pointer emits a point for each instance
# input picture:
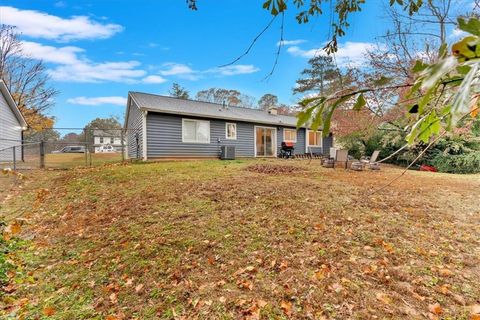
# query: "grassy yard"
(70, 160)
(249, 239)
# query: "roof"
(165, 104)
(107, 132)
(11, 103)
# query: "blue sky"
(97, 51)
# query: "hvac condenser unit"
(227, 153)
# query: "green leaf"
(419, 66)
(382, 81)
(442, 51)
(465, 47)
(472, 26)
(360, 103)
(463, 69)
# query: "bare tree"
(227, 96)
(26, 78)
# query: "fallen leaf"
(444, 272)
(261, 303)
(435, 308)
(383, 298)
(444, 289)
(138, 288)
(283, 265)
(286, 306)
(110, 317)
(49, 311)
(113, 298)
(14, 228)
(475, 312)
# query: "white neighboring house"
(12, 125)
(107, 141)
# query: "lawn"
(69, 160)
(249, 239)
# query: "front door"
(265, 141)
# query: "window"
(195, 131)
(101, 139)
(314, 138)
(111, 140)
(290, 135)
(231, 131)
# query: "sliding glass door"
(265, 142)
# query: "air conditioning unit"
(227, 153)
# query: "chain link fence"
(55, 149)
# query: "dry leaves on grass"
(273, 169)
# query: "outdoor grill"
(286, 151)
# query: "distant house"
(107, 140)
(12, 125)
(166, 127)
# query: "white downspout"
(144, 135)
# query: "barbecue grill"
(286, 151)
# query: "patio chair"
(333, 153)
(342, 157)
(371, 162)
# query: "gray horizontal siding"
(134, 126)
(10, 132)
(164, 138)
(299, 146)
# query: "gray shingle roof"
(157, 103)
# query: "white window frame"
(226, 131)
(314, 145)
(294, 130)
(195, 141)
(275, 150)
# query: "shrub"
(457, 163)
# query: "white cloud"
(38, 24)
(64, 55)
(95, 101)
(457, 34)
(87, 71)
(174, 69)
(291, 42)
(349, 53)
(235, 70)
(70, 66)
(185, 72)
(153, 79)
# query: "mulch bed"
(273, 169)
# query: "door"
(265, 142)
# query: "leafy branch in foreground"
(443, 92)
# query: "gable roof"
(11, 103)
(171, 105)
(107, 132)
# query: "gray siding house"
(166, 127)
(12, 125)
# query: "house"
(167, 127)
(12, 125)
(107, 140)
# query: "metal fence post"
(42, 154)
(14, 158)
(86, 147)
(123, 145)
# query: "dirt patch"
(273, 169)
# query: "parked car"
(71, 149)
(106, 149)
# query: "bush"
(457, 163)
